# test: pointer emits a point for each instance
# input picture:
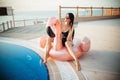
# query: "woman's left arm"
(69, 38)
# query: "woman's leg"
(47, 49)
(70, 49)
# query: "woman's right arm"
(69, 38)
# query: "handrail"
(109, 10)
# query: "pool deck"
(100, 63)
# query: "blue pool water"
(20, 63)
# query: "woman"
(67, 38)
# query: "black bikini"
(64, 37)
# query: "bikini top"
(65, 34)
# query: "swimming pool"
(20, 63)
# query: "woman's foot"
(78, 66)
(45, 60)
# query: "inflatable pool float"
(61, 53)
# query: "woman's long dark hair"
(71, 16)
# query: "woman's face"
(67, 19)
